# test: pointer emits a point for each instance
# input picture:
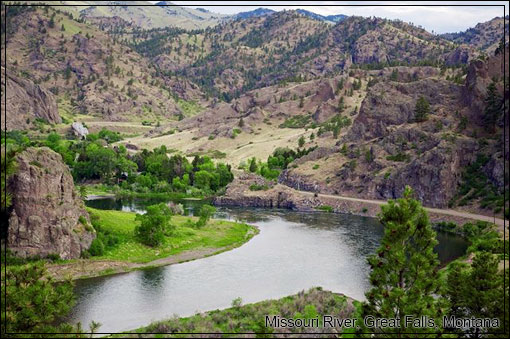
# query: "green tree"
(301, 141)
(404, 274)
(205, 213)
(154, 225)
(34, 300)
(253, 165)
(8, 169)
(421, 110)
(493, 107)
(476, 291)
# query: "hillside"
(485, 35)
(86, 73)
(233, 58)
(142, 13)
(345, 92)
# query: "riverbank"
(240, 193)
(251, 318)
(128, 254)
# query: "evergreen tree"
(404, 273)
(493, 107)
(35, 301)
(421, 110)
(476, 291)
(253, 165)
(301, 141)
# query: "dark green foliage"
(493, 107)
(279, 161)
(253, 165)
(475, 185)
(96, 247)
(34, 301)
(154, 225)
(301, 141)
(421, 110)
(404, 273)
(335, 125)
(475, 291)
(109, 136)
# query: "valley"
(168, 160)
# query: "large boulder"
(48, 216)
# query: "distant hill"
(485, 35)
(330, 18)
(143, 13)
(255, 13)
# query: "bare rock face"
(48, 216)
(389, 105)
(27, 101)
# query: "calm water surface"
(294, 251)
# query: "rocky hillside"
(26, 102)
(86, 72)
(233, 57)
(485, 35)
(386, 148)
(48, 216)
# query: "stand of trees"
(407, 281)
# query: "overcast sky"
(441, 19)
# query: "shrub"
(96, 248)
(205, 213)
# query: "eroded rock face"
(48, 215)
(27, 101)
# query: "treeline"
(96, 159)
(277, 162)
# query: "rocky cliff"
(27, 101)
(48, 216)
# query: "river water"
(294, 251)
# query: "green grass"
(251, 317)
(216, 234)
(189, 108)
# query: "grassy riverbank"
(250, 318)
(216, 234)
(127, 254)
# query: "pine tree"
(404, 273)
(301, 141)
(493, 107)
(421, 110)
(253, 165)
(476, 291)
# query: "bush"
(257, 187)
(96, 248)
(205, 213)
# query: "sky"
(440, 19)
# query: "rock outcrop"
(27, 101)
(48, 216)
